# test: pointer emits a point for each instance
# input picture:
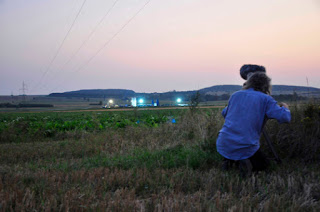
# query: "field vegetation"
(162, 160)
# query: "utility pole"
(308, 87)
(11, 97)
(24, 89)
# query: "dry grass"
(173, 167)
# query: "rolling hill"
(216, 90)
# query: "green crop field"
(24, 127)
(157, 160)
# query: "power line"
(89, 36)
(106, 43)
(67, 18)
(64, 39)
(92, 32)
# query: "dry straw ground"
(171, 167)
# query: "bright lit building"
(134, 102)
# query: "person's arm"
(280, 113)
(282, 104)
(224, 112)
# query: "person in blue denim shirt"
(238, 140)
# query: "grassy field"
(150, 161)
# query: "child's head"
(259, 81)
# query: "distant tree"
(295, 96)
(288, 97)
(194, 101)
(224, 97)
(209, 97)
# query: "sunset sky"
(155, 46)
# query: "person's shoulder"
(265, 97)
(248, 91)
(237, 93)
(256, 94)
(240, 91)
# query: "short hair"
(259, 81)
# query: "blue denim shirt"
(244, 118)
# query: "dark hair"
(248, 69)
(259, 81)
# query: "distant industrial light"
(179, 100)
(110, 101)
(140, 101)
(134, 102)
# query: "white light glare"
(179, 100)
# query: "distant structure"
(134, 102)
(141, 102)
(308, 87)
(24, 89)
(11, 97)
(155, 104)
